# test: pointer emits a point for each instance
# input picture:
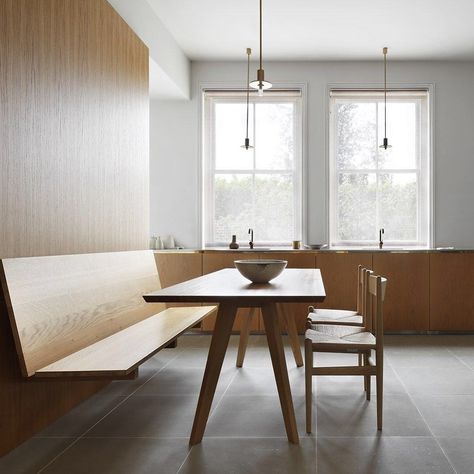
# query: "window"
(259, 188)
(373, 188)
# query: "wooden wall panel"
(74, 167)
(406, 305)
(339, 272)
(74, 162)
(451, 292)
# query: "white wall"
(170, 69)
(175, 142)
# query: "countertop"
(387, 249)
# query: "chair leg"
(367, 385)
(244, 337)
(361, 363)
(379, 382)
(308, 372)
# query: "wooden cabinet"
(176, 267)
(451, 292)
(339, 272)
(406, 306)
(426, 291)
(213, 261)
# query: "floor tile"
(255, 381)
(32, 455)
(161, 358)
(460, 452)
(424, 356)
(251, 456)
(464, 353)
(83, 417)
(127, 387)
(353, 415)
(197, 358)
(438, 381)
(157, 416)
(121, 456)
(448, 416)
(255, 416)
(144, 425)
(380, 455)
(183, 381)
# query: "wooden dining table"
(231, 291)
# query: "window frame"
(290, 94)
(425, 233)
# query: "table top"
(291, 286)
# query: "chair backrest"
(360, 289)
(60, 304)
(376, 295)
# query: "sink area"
(255, 248)
(374, 248)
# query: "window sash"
(211, 98)
(422, 168)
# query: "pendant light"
(385, 144)
(260, 84)
(247, 145)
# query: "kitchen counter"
(325, 250)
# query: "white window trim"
(200, 89)
(430, 88)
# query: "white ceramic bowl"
(260, 271)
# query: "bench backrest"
(60, 304)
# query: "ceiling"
(321, 29)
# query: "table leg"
(219, 342)
(292, 335)
(244, 337)
(275, 344)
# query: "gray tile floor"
(142, 426)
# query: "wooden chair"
(341, 316)
(343, 339)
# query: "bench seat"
(121, 353)
(84, 315)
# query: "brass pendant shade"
(260, 84)
(385, 144)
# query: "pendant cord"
(248, 91)
(261, 34)
(385, 89)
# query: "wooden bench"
(84, 315)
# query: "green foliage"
(266, 206)
(359, 216)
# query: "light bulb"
(260, 90)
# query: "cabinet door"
(214, 261)
(339, 272)
(452, 291)
(299, 311)
(176, 267)
(406, 305)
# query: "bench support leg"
(219, 342)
